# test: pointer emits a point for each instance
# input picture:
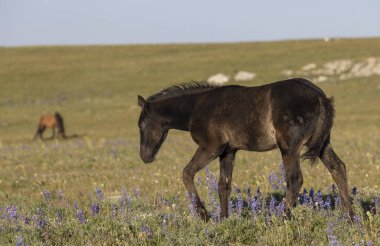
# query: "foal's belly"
(253, 139)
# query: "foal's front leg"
(225, 180)
(201, 159)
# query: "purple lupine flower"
(215, 212)
(114, 210)
(319, 199)
(272, 205)
(283, 175)
(273, 181)
(230, 207)
(240, 201)
(26, 220)
(47, 195)
(327, 204)
(147, 232)
(281, 208)
(125, 200)
(60, 195)
(12, 212)
(369, 243)
(354, 191)
(311, 193)
(377, 204)
(60, 216)
(136, 192)
(192, 203)
(20, 241)
(199, 180)
(41, 222)
(330, 235)
(99, 193)
(255, 205)
(95, 209)
(357, 219)
(81, 217)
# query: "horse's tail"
(60, 125)
(321, 136)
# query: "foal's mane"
(183, 89)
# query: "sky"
(71, 22)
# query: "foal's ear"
(140, 101)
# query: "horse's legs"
(198, 162)
(337, 170)
(53, 129)
(40, 131)
(294, 179)
(225, 180)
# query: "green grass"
(96, 87)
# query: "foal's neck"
(177, 111)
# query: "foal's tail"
(61, 127)
(321, 136)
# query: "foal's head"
(152, 131)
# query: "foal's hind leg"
(225, 180)
(290, 150)
(337, 170)
(294, 178)
(201, 159)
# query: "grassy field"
(95, 88)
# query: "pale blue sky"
(51, 22)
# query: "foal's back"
(248, 117)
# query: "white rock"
(287, 72)
(244, 76)
(309, 66)
(219, 78)
(320, 79)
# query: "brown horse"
(53, 122)
(288, 115)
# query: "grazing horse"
(288, 115)
(51, 121)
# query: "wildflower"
(354, 191)
(377, 204)
(12, 212)
(95, 209)
(330, 235)
(230, 207)
(357, 219)
(136, 192)
(60, 215)
(146, 231)
(255, 205)
(192, 203)
(240, 202)
(47, 195)
(60, 195)
(272, 205)
(281, 208)
(26, 220)
(99, 193)
(20, 241)
(282, 171)
(113, 209)
(41, 222)
(318, 199)
(125, 200)
(81, 217)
